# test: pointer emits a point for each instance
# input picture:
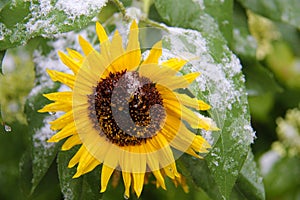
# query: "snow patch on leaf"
(76, 8)
(43, 134)
(47, 18)
(51, 60)
(216, 80)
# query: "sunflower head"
(126, 112)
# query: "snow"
(44, 18)
(75, 8)
(216, 79)
(243, 44)
(267, 161)
(201, 4)
(220, 84)
(41, 135)
(52, 61)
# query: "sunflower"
(126, 113)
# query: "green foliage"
(85, 188)
(219, 40)
(23, 20)
(284, 11)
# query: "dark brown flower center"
(126, 108)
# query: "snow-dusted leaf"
(244, 44)
(221, 84)
(189, 13)
(278, 10)
(250, 184)
(42, 152)
(23, 20)
(83, 188)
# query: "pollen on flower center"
(127, 108)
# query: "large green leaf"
(23, 20)
(189, 14)
(278, 10)
(244, 44)
(43, 153)
(83, 188)
(221, 84)
(250, 184)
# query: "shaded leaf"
(23, 20)
(198, 171)
(259, 80)
(284, 11)
(282, 181)
(83, 188)
(250, 184)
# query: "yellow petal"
(67, 131)
(75, 55)
(138, 183)
(171, 171)
(160, 179)
(154, 54)
(105, 176)
(59, 96)
(192, 102)
(174, 63)
(191, 76)
(127, 183)
(101, 33)
(87, 48)
(72, 64)
(57, 106)
(133, 52)
(62, 121)
(116, 49)
(75, 159)
(64, 78)
(71, 142)
(87, 163)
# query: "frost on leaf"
(221, 84)
(47, 18)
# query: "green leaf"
(249, 184)
(282, 180)
(196, 170)
(244, 44)
(221, 84)
(43, 153)
(278, 10)
(259, 80)
(23, 20)
(2, 54)
(3, 3)
(190, 14)
(83, 188)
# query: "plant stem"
(153, 23)
(121, 8)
